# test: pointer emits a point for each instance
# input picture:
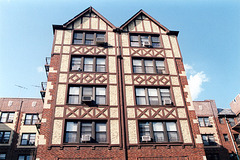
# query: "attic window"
(145, 40)
(89, 38)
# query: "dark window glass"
(25, 157)
(88, 38)
(148, 66)
(231, 121)
(221, 120)
(4, 136)
(76, 64)
(204, 122)
(225, 137)
(97, 131)
(144, 41)
(208, 140)
(97, 94)
(159, 131)
(73, 96)
(7, 117)
(153, 96)
(31, 119)
(28, 139)
(2, 156)
(100, 65)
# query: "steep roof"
(148, 16)
(89, 9)
(227, 112)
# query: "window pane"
(148, 66)
(74, 90)
(137, 66)
(4, 117)
(141, 101)
(206, 120)
(70, 137)
(172, 136)
(11, 117)
(101, 61)
(135, 44)
(140, 92)
(144, 38)
(159, 136)
(76, 63)
(155, 45)
(100, 91)
(2, 156)
(152, 92)
(100, 100)
(134, 38)
(88, 61)
(137, 62)
(201, 123)
(157, 126)
(171, 126)
(73, 99)
(144, 129)
(77, 41)
(155, 39)
(160, 66)
(101, 127)
(100, 35)
(101, 137)
(78, 36)
(71, 126)
(29, 158)
(89, 36)
(87, 91)
(21, 157)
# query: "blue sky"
(209, 40)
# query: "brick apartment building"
(218, 128)
(117, 93)
(18, 132)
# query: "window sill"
(84, 105)
(103, 46)
(145, 105)
(87, 72)
(147, 47)
(86, 144)
(161, 143)
(153, 73)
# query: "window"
(204, 122)
(212, 156)
(77, 131)
(221, 120)
(159, 131)
(153, 96)
(149, 66)
(88, 64)
(231, 121)
(236, 137)
(96, 95)
(7, 117)
(28, 139)
(88, 38)
(2, 155)
(225, 137)
(31, 119)
(208, 140)
(4, 136)
(25, 157)
(145, 41)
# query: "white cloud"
(195, 80)
(40, 69)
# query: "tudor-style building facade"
(117, 93)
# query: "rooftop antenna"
(21, 87)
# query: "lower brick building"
(18, 131)
(216, 126)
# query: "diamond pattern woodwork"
(151, 80)
(88, 78)
(147, 52)
(160, 112)
(89, 50)
(87, 112)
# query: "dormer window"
(145, 40)
(88, 38)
